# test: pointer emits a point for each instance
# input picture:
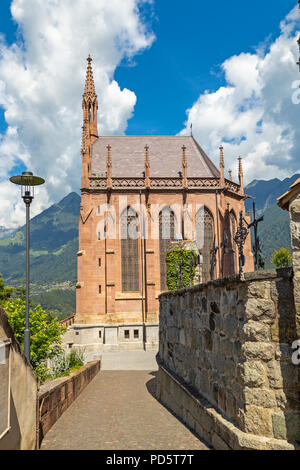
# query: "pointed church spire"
(90, 101)
(89, 90)
(89, 128)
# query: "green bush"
(5, 292)
(173, 259)
(45, 333)
(64, 363)
(281, 258)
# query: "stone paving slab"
(129, 360)
(118, 411)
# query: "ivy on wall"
(174, 258)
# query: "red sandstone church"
(123, 178)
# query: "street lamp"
(27, 181)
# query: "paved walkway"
(129, 360)
(118, 411)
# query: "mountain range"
(53, 246)
(266, 192)
(54, 241)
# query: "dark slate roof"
(165, 155)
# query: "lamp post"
(27, 181)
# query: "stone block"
(259, 289)
(258, 420)
(260, 397)
(252, 374)
(255, 331)
(260, 310)
(258, 350)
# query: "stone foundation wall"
(94, 339)
(56, 396)
(230, 342)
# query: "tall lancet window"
(130, 250)
(205, 240)
(167, 224)
(233, 255)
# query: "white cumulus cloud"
(41, 84)
(255, 115)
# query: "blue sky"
(184, 60)
(229, 68)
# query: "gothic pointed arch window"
(205, 239)
(167, 224)
(233, 229)
(130, 250)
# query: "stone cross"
(240, 238)
(213, 260)
(258, 260)
(224, 245)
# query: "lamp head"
(27, 181)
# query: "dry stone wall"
(230, 342)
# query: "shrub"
(174, 258)
(45, 333)
(64, 363)
(281, 258)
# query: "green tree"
(20, 291)
(281, 258)
(5, 292)
(45, 333)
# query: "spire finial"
(90, 101)
(241, 176)
(184, 168)
(221, 148)
(240, 165)
(109, 167)
(147, 167)
(222, 166)
(89, 90)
